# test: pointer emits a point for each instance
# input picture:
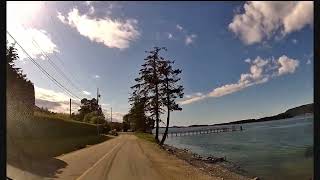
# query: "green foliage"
(90, 112)
(13, 72)
(136, 119)
(170, 90)
(106, 128)
(47, 136)
(97, 120)
(156, 89)
(116, 125)
(94, 118)
(148, 84)
(126, 123)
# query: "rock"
(213, 159)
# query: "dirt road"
(124, 157)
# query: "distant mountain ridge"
(296, 111)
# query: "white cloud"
(300, 16)
(88, 3)
(263, 19)
(294, 41)
(61, 17)
(91, 10)
(96, 76)
(287, 65)
(190, 39)
(55, 101)
(112, 33)
(179, 27)
(86, 92)
(117, 116)
(170, 36)
(191, 100)
(261, 71)
(19, 20)
(308, 62)
(25, 38)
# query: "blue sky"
(239, 59)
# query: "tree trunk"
(157, 101)
(157, 116)
(167, 128)
(168, 114)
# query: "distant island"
(297, 111)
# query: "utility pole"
(111, 114)
(70, 107)
(98, 95)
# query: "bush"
(106, 128)
(87, 117)
(97, 120)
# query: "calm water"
(271, 150)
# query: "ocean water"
(273, 150)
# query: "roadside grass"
(145, 136)
(57, 116)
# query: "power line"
(55, 66)
(59, 39)
(70, 80)
(44, 71)
(52, 63)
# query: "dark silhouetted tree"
(148, 84)
(170, 91)
(89, 106)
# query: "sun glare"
(23, 12)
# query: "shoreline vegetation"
(293, 112)
(211, 165)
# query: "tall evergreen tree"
(170, 90)
(148, 85)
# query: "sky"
(239, 60)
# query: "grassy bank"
(44, 135)
(145, 136)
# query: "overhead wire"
(44, 71)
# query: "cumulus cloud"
(287, 65)
(30, 39)
(190, 39)
(264, 19)
(19, 17)
(55, 101)
(261, 71)
(112, 33)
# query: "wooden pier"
(204, 131)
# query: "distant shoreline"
(303, 110)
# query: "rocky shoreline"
(214, 166)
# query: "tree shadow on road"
(44, 167)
